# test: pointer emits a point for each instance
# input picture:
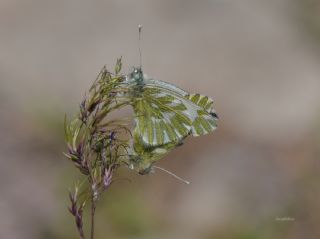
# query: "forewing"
(199, 107)
(167, 114)
(206, 119)
(161, 117)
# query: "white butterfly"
(164, 113)
(164, 116)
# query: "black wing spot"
(213, 114)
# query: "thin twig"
(93, 210)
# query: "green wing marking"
(160, 118)
(201, 100)
(206, 119)
(164, 113)
(164, 116)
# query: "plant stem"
(82, 235)
(93, 210)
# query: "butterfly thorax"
(136, 77)
(135, 82)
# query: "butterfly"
(164, 116)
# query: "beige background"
(255, 177)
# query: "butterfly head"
(137, 75)
(137, 163)
(147, 170)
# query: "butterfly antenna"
(172, 174)
(140, 54)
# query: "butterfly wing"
(142, 157)
(206, 120)
(161, 117)
(167, 114)
(205, 117)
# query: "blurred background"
(256, 177)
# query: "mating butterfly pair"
(164, 116)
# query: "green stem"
(93, 210)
